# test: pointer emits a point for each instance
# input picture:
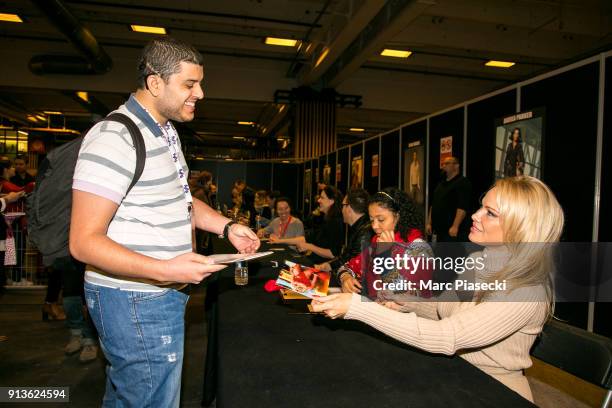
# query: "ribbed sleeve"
(474, 327)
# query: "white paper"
(231, 258)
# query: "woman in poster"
(515, 158)
(415, 179)
(356, 173)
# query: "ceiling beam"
(388, 22)
(168, 12)
(352, 29)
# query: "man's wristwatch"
(226, 229)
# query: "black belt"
(186, 290)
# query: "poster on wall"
(446, 149)
(338, 172)
(307, 185)
(414, 172)
(326, 174)
(518, 144)
(375, 165)
(356, 172)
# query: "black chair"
(586, 355)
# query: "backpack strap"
(139, 145)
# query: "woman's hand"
(13, 196)
(303, 246)
(350, 284)
(325, 267)
(387, 236)
(392, 305)
(333, 306)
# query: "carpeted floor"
(32, 355)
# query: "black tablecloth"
(263, 353)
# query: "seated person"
(326, 241)
(247, 212)
(394, 219)
(495, 329)
(354, 213)
(285, 226)
(264, 212)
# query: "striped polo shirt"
(152, 219)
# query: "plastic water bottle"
(241, 273)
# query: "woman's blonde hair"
(531, 220)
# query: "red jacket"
(363, 262)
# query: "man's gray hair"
(163, 57)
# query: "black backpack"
(50, 204)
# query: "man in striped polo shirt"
(138, 247)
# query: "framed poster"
(357, 172)
(375, 165)
(414, 172)
(446, 149)
(326, 174)
(307, 185)
(518, 144)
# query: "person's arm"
(520, 162)
(240, 236)
(479, 326)
(460, 214)
(290, 241)
(90, 244)
(322, 252)
(332, 236)
(10, 198)
(428, 229)
(464, 192)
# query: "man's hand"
(428, 229)
(189, 268)
(245, 240)
(453, 231)
(350, 284)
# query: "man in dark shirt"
(21, 177)
(448, 216)
(354, 213)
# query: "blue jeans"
(142, 336)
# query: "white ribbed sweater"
(495, 335)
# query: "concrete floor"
(33, 353)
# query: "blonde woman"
(495, 330)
